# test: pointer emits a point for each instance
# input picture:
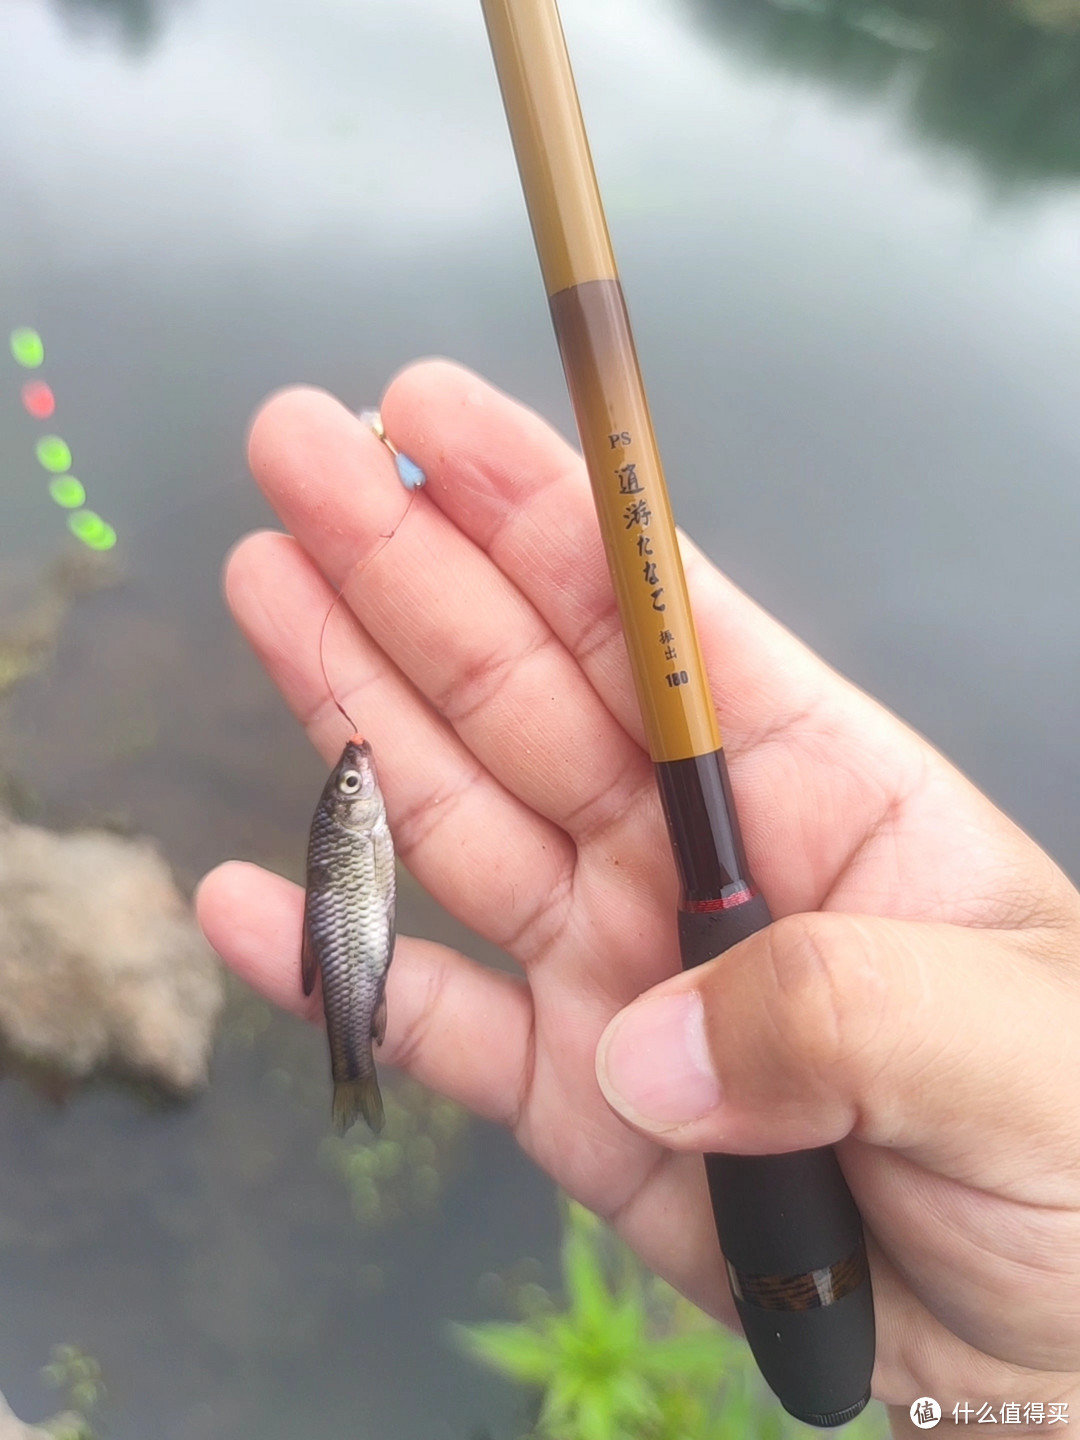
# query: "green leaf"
(84, 1394)
(515, 1350)
(590, 1297)
(702, 1354)
(626, 1324)
(559, 1406)
(633, 1400)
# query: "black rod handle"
(792, 1241)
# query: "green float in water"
(67, 491)
(53, 454)
(27, 347)
(92, 530)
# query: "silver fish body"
(348, 934)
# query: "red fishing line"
(356, 569)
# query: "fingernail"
(653, 1062)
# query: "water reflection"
(1001, 81)
(137, 23)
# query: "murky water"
(849, 241)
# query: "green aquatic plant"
(34, 608)
(402, 1171)
(78, 1377)
(71, 1427)
(16, 662)
(626, 1356)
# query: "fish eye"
(350, 782)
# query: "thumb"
(933, 1039)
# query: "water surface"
(852, 270)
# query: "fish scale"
(348, 935)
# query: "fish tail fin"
(353, 1098)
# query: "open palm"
(483, 659)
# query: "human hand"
(917, 1004)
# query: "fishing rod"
(789, 1230)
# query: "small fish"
(349, 927)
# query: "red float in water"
(38, 399)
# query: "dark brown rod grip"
(790, 1232)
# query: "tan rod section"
(550, 143)
(602, 372)
(632, 504)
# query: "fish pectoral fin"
(378, 1022)
(309, 966)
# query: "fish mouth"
(356, 759)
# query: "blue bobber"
(412, 477)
